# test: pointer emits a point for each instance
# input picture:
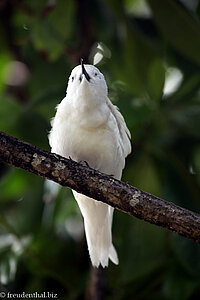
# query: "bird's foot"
(84, 163)
(111, 175)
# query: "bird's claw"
(84, 163)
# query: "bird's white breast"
(86, 135)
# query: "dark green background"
(37, 253)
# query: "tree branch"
(99, 186)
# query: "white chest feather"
(86, 134)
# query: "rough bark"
(99, 186)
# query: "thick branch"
(100, 187)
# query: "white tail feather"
(98, 223)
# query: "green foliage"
(178, 26)
(42, 245)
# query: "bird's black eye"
(72, 78)
(95, 74)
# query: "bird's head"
(88, 80)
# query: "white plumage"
(88, 127)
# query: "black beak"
(87, 76)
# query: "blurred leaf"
(9, 114)
(62, 18)
(156, 79)
(45, 39)
(178, 285)
(188, 255)
(18, 184)
(49, 34)
(46, 101)
(36, 5)
(136, 54)
(186, 116)
(134, 239)
(179, 27)
(188, 88)
(4, 59)
(11, 248)
(196, 162)
(147, 177)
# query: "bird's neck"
(90, 111)
(87, 102)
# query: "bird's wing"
(124, 133)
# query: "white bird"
(88, 127)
